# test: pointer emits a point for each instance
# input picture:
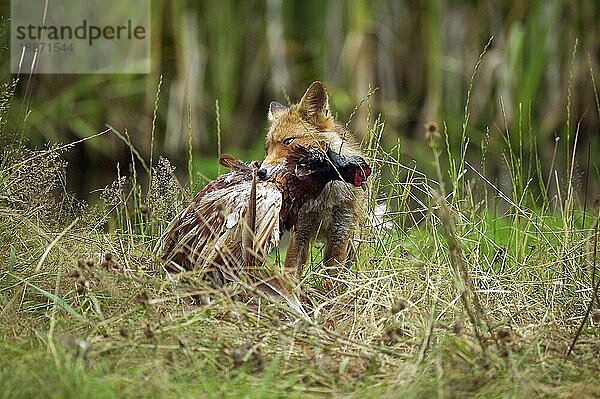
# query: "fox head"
(308, 124)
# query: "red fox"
(235, 221)
(334, 213)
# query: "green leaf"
(59, 301)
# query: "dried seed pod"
(433, 135)
(142, 297)
(148, 333)
(74, 274)
(80, 288)
(247, 354)
(457, 327)
(394, 334)
(399, 306)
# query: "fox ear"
(276, 110)
(314, 105)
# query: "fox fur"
(333, 215)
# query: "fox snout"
(267, 171)
(262, 174)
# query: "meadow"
(472, 291)
(475, 273)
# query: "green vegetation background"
(419, 55)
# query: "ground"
(472, 293)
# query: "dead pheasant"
(231, 226)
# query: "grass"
(473, 293)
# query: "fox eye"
(288, 140)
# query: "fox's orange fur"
(335, 212)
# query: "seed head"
(395, 334)
(148, 332)
(142, 297)
(432, 134)
(399, 306)
(456, 327)
(75, 274)
(503, 334)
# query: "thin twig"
(595, 287)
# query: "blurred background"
(416, 57)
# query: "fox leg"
(338, 239)
(297, 253)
